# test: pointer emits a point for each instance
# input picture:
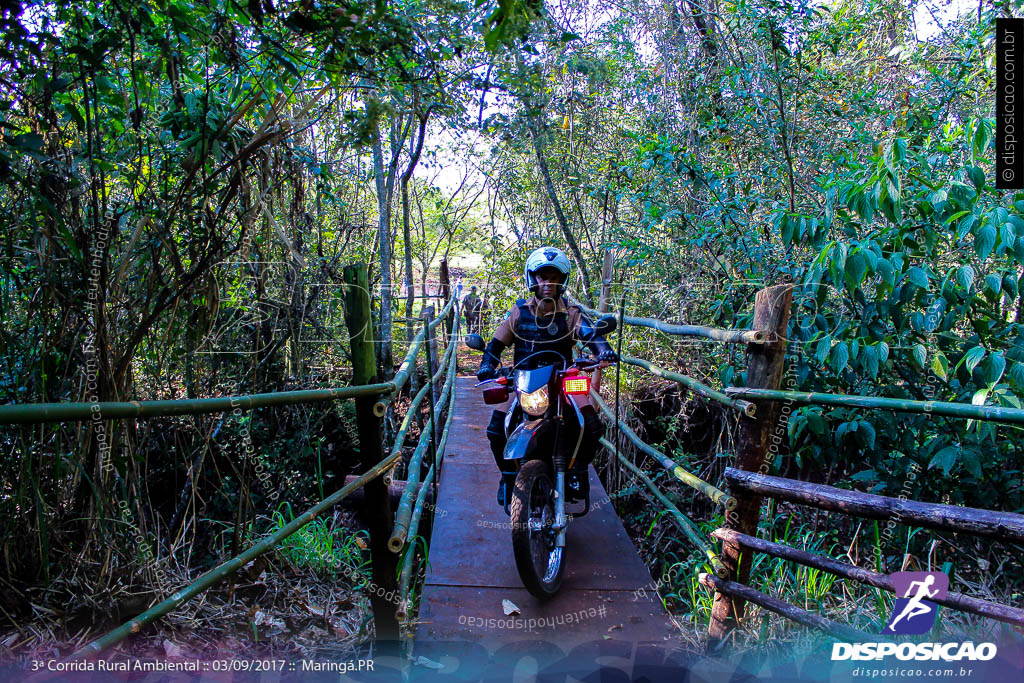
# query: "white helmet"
(546, 256)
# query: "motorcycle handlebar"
(586, 363)
(590, 363)
(505, 372)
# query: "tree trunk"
(416, 146)
(574, 248)
(383, 341)
(607, 271)
(384, 182)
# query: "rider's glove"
(603, 350)
(489, 363)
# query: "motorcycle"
(538, 448)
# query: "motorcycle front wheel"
(540, 563)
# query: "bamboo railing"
(766, 349)
(34, 413)
(717, 496)
(402, 613)
(713, 333)
(405, 506)
(745, 407)
(406, 368)
(750, 485)
(758, 402)
(358, 319)
(961, 410)
(964, 603)
(688, 528)
(1005, 526)
(225, 569)
(791, 612)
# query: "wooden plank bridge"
(472, 569)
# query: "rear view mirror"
(605, 325)
(474, 341)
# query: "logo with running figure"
(914, 613)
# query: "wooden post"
(607, 268)
(377, 515)
(765, 369)
(446, 293)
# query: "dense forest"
(182, 183)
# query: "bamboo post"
(607, 269)
(376, 510)
(435, 393)
(765, 368)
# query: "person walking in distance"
(471, 305)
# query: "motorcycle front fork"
(559, 462)
(561, 521)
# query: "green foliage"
(854, 163)
(913, 289)
(180, 185)
(321, 547)
(511, 20)
(181, 182)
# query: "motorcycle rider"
(546, 321)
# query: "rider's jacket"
(529, 332)
(541, 333)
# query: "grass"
(321, 545)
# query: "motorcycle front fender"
(518, 444)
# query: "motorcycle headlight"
(535, 402)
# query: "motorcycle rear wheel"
(540, 563)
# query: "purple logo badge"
(914, 611)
